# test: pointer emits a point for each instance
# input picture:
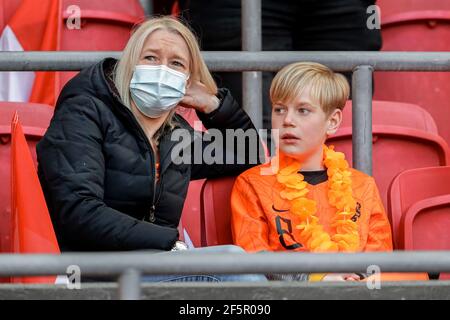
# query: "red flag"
(33, 231)
(34, 26)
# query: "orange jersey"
(261, 219)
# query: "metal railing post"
(252, 41)
(130, 285)
(362, 118)
(147, 5)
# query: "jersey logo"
(288, 233)
(358, 212)
(278, 210)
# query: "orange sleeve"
(248, 223)
(379, 234)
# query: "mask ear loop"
(188, 83)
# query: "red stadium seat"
(190, 222)
(35, 118)
(216, 211)
(417, 26)
(396, 114)
(390, 7)
(426, 224)
(419, 208)
(103, 27)
(191, 215)
(396, 148)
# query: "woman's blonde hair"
(130, 57)
(328, 89)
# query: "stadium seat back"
(396, 149)
(190, 223)
(103, 27)
(35, 119)
(390, 8)
(419, 209)
(426, 224)
(425, 28)
(396, 114)
(216, 211)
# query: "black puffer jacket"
(97, 169)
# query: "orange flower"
(319, 239)
(288, 166)
(292, 181)
(303, 207)
(328, 246)
(290, 194)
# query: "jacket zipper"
(151, 215)
(156, 197)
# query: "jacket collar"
(96, 82)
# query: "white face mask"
(157, 89)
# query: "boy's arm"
(379, 234)
(248, 223)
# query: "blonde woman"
(106, 162)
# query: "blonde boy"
(313, 201)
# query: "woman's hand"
(198, 97)
(341, 277)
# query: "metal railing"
(362, 64)
(239, 61)
(147, 5)
(130, 266)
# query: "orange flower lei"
(313, 236)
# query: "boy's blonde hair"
(328, 89)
